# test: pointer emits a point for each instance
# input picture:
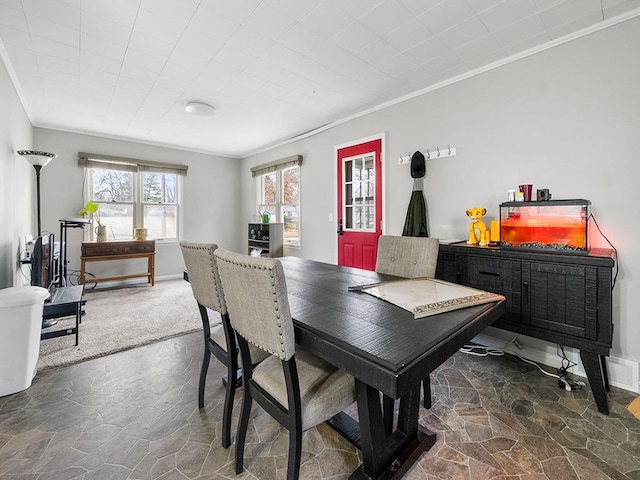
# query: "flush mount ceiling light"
(200, 108)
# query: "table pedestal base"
(386, 454)
(404, 462)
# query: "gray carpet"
(123, 318)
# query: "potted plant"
(93, 210)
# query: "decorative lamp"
(38, 160)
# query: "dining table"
(387, 350)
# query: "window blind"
(93, 160)
(292, 161)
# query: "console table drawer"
(494, 275)
(101, 249)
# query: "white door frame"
(382, 138)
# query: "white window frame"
(138, 205)
(278, 168)
(137, 168)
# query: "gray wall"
(17, 180)
(566, 119)
(210, 196)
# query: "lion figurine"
(478, 234)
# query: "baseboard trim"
(623, 373)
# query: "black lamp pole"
(38, 168)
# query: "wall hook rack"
(430, 154)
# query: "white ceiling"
(273, 69)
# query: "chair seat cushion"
(324, 390)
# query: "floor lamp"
(39, 160)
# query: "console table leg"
(151, 269)
(596, 373)
(83, 268)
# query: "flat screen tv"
(42, 264)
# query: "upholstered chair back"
(408, 257)
(203, 275)
(256, 296)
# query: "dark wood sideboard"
(557, 297)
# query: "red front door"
(359, 204)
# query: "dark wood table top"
(375, 341)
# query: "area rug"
(124, 318)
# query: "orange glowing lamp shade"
(495, 231)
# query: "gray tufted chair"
(296, 388)
(219, 339)
(409, 257)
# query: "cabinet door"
(448, 267)
(561, 298)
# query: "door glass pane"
(347, 174)
(348, 217)
(348, 197)
(357, 218)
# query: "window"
(133, 195)
(279, 195)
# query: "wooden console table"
(124, 250)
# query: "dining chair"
(297, 389)
(219, 339)
(409, 257)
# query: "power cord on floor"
(483, 350)
(564, 381)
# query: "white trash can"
(20, 327)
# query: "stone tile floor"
(134, 415)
